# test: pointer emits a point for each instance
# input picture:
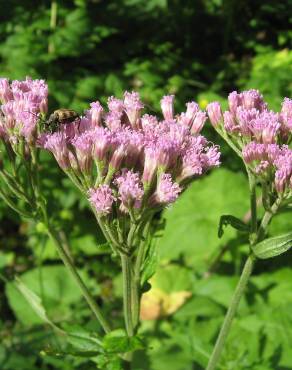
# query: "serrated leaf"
(233, 221)
(117, 341)
(273, 247)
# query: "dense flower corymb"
(262, 135)
(22, 101)
(131, 160)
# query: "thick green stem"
(247, 270)
(136, 288)
(127, 293)
(70, 266)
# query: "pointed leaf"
(35, 302)
(273, 247)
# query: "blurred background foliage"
(199, 50)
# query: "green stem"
(268, 217)
(247, 270)
(136, 286)
(12, 205)
(230, 143)
(70, 266)
(246, 273)
(13, 186)
(253, 204)
(127, 293)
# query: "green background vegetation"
(198, 50)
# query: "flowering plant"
(262, 139)
(129, 166)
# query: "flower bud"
(214, 113)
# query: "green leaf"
(35, 302)
(273, 247)
(191, 223)
(235, 222)
(108, 362)
(117, 341)
(84, 341)
(56, 288)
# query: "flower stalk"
(252, 131)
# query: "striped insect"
(60, 117)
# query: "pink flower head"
(283, 175)
(166, 151)
(23, 101)
(5, 91)
(167, 191)
(230, 124)
(151, 154)
(102, 199)
(83, 147)
(212, 157)
(245, 118)
(253, 152)
(149, 123)
(115, 105)
(102, 140)
(133, 107)
(95, 113)
(130, 188)
(198, 122)
(167, 106)
(198, 158)
(192, 110)
(252, 99)
(121, 147)
(134, 149)
(57, 144)
(234, 101)
(188, 117)
(113, 120)
(265, 127)
(257, 152)
(214, 113)
(286, 115)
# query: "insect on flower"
(59, 117)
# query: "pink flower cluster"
(248, 118)
(262, 134)
(21, 101)
(130, 160)
(272, 159)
